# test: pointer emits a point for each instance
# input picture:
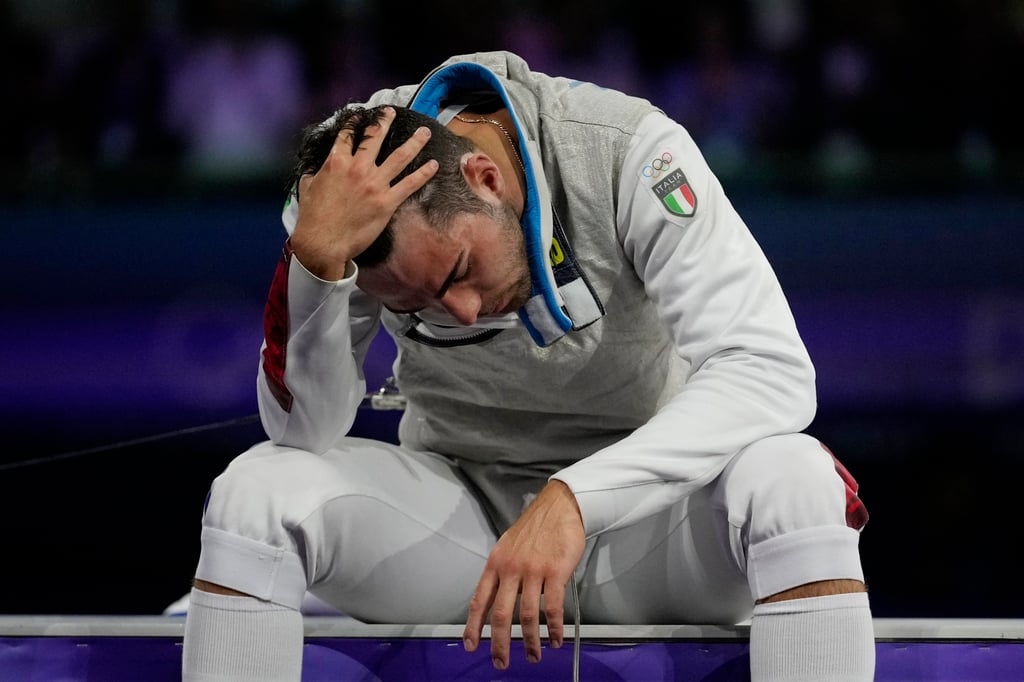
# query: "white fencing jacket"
(669, 348)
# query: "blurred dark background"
(875, 150)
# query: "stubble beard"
(517, 293)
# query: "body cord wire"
(575, 632)
(73, 454)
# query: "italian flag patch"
(675, 193)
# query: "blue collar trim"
(427, 101)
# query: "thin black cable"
(575, 631)
(74, 454)
(237, 421)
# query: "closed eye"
(398, 311)
(452, 275)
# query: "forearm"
(725, 406)
(310, 380)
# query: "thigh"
(682, 565)
(384, 534)
(785, 484)
(775, 518)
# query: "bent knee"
(791, 502)
(784, 483)
(270, 483)
(793, 458)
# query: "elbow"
(804, 395)
(298, 441)
(805, 410)
(298, 429)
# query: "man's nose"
(462, 304)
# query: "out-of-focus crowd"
(104, 98)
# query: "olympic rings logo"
(657, 166)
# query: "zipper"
(411, 332)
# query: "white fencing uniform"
(657, 371)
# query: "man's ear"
(483, 175)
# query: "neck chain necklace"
(504, 130)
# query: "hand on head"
(349, 200)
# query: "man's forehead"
(392, 277)
(418, 266)
(412, 238)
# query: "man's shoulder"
(501, 62)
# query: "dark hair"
(446, 195)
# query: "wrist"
(329, 267)
(564, 493)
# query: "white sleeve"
(750, 374)
(316, 335)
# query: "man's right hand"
(348, 202)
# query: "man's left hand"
(535, 557)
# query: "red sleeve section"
(275, 331)
(856, 512)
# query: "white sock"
(231, 639)
(818, 639)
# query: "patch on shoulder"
(669, 185)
